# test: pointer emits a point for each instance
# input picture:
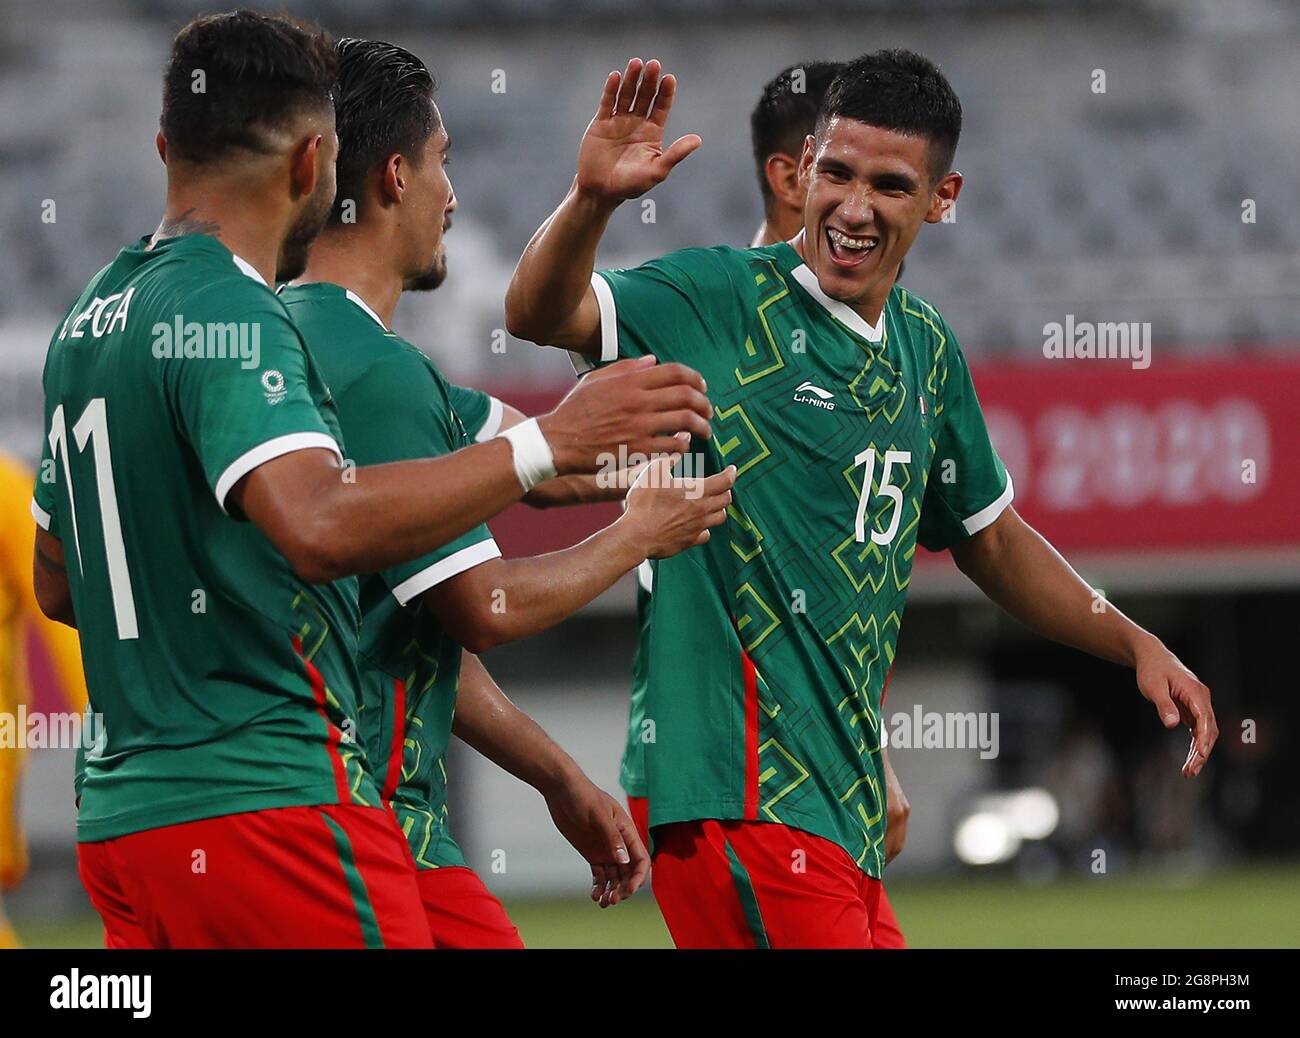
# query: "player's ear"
(305, 165)
(392, 178)
(782, 173)
(160, 142)
(806, 161)
(944, 196)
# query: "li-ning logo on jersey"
(273, 383)
(820, 397)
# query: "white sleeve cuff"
(42, 517)
(492, 423)
(986, 515)
(269, 451)
(608, 319)
(445, 569)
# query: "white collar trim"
(362, 303)
(249, 269)
(842, 312)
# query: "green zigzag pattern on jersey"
(938, 378)
(766, 775)
(781, 290)
(749, 533)
(863, 650)
(742, 434)
(745, 618)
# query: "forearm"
(400, 511)
(517, 598)
(488, 722)
(554, 272)
(1021, 572)
(568, 490)
(576, 490)
(50, 584)
(367, 519)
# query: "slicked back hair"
(902, 91)
(235, 79)
(384, 105)
(787, 113)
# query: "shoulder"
(925, 325)
(336, 331)
(713, 281)
(208, 287)
(695, 265)
(918, 312)
(715, 261)
(387, 367)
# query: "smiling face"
(869, 191)
(432, 200)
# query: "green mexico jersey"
(225, 683)
(479, 413)
(394, 405)
(772, 642)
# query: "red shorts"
(639, 809)
(333, 876)
(736, 884)
(885, 931)
(462, 912)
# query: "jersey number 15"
(894, 493)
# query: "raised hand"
(622, 153)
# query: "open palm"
(622, 154)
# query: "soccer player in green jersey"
(785, 115)
(848, 409)
(200, 529)
(394, 404)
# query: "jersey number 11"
(92, 426)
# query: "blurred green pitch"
(1242, 908)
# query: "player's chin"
(844, 286)
(430, 279)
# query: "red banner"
(1179, 455)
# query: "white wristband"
(534, 462)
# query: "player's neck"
(872, 305)
(781, 225)
(340, 257)
(250, 232)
